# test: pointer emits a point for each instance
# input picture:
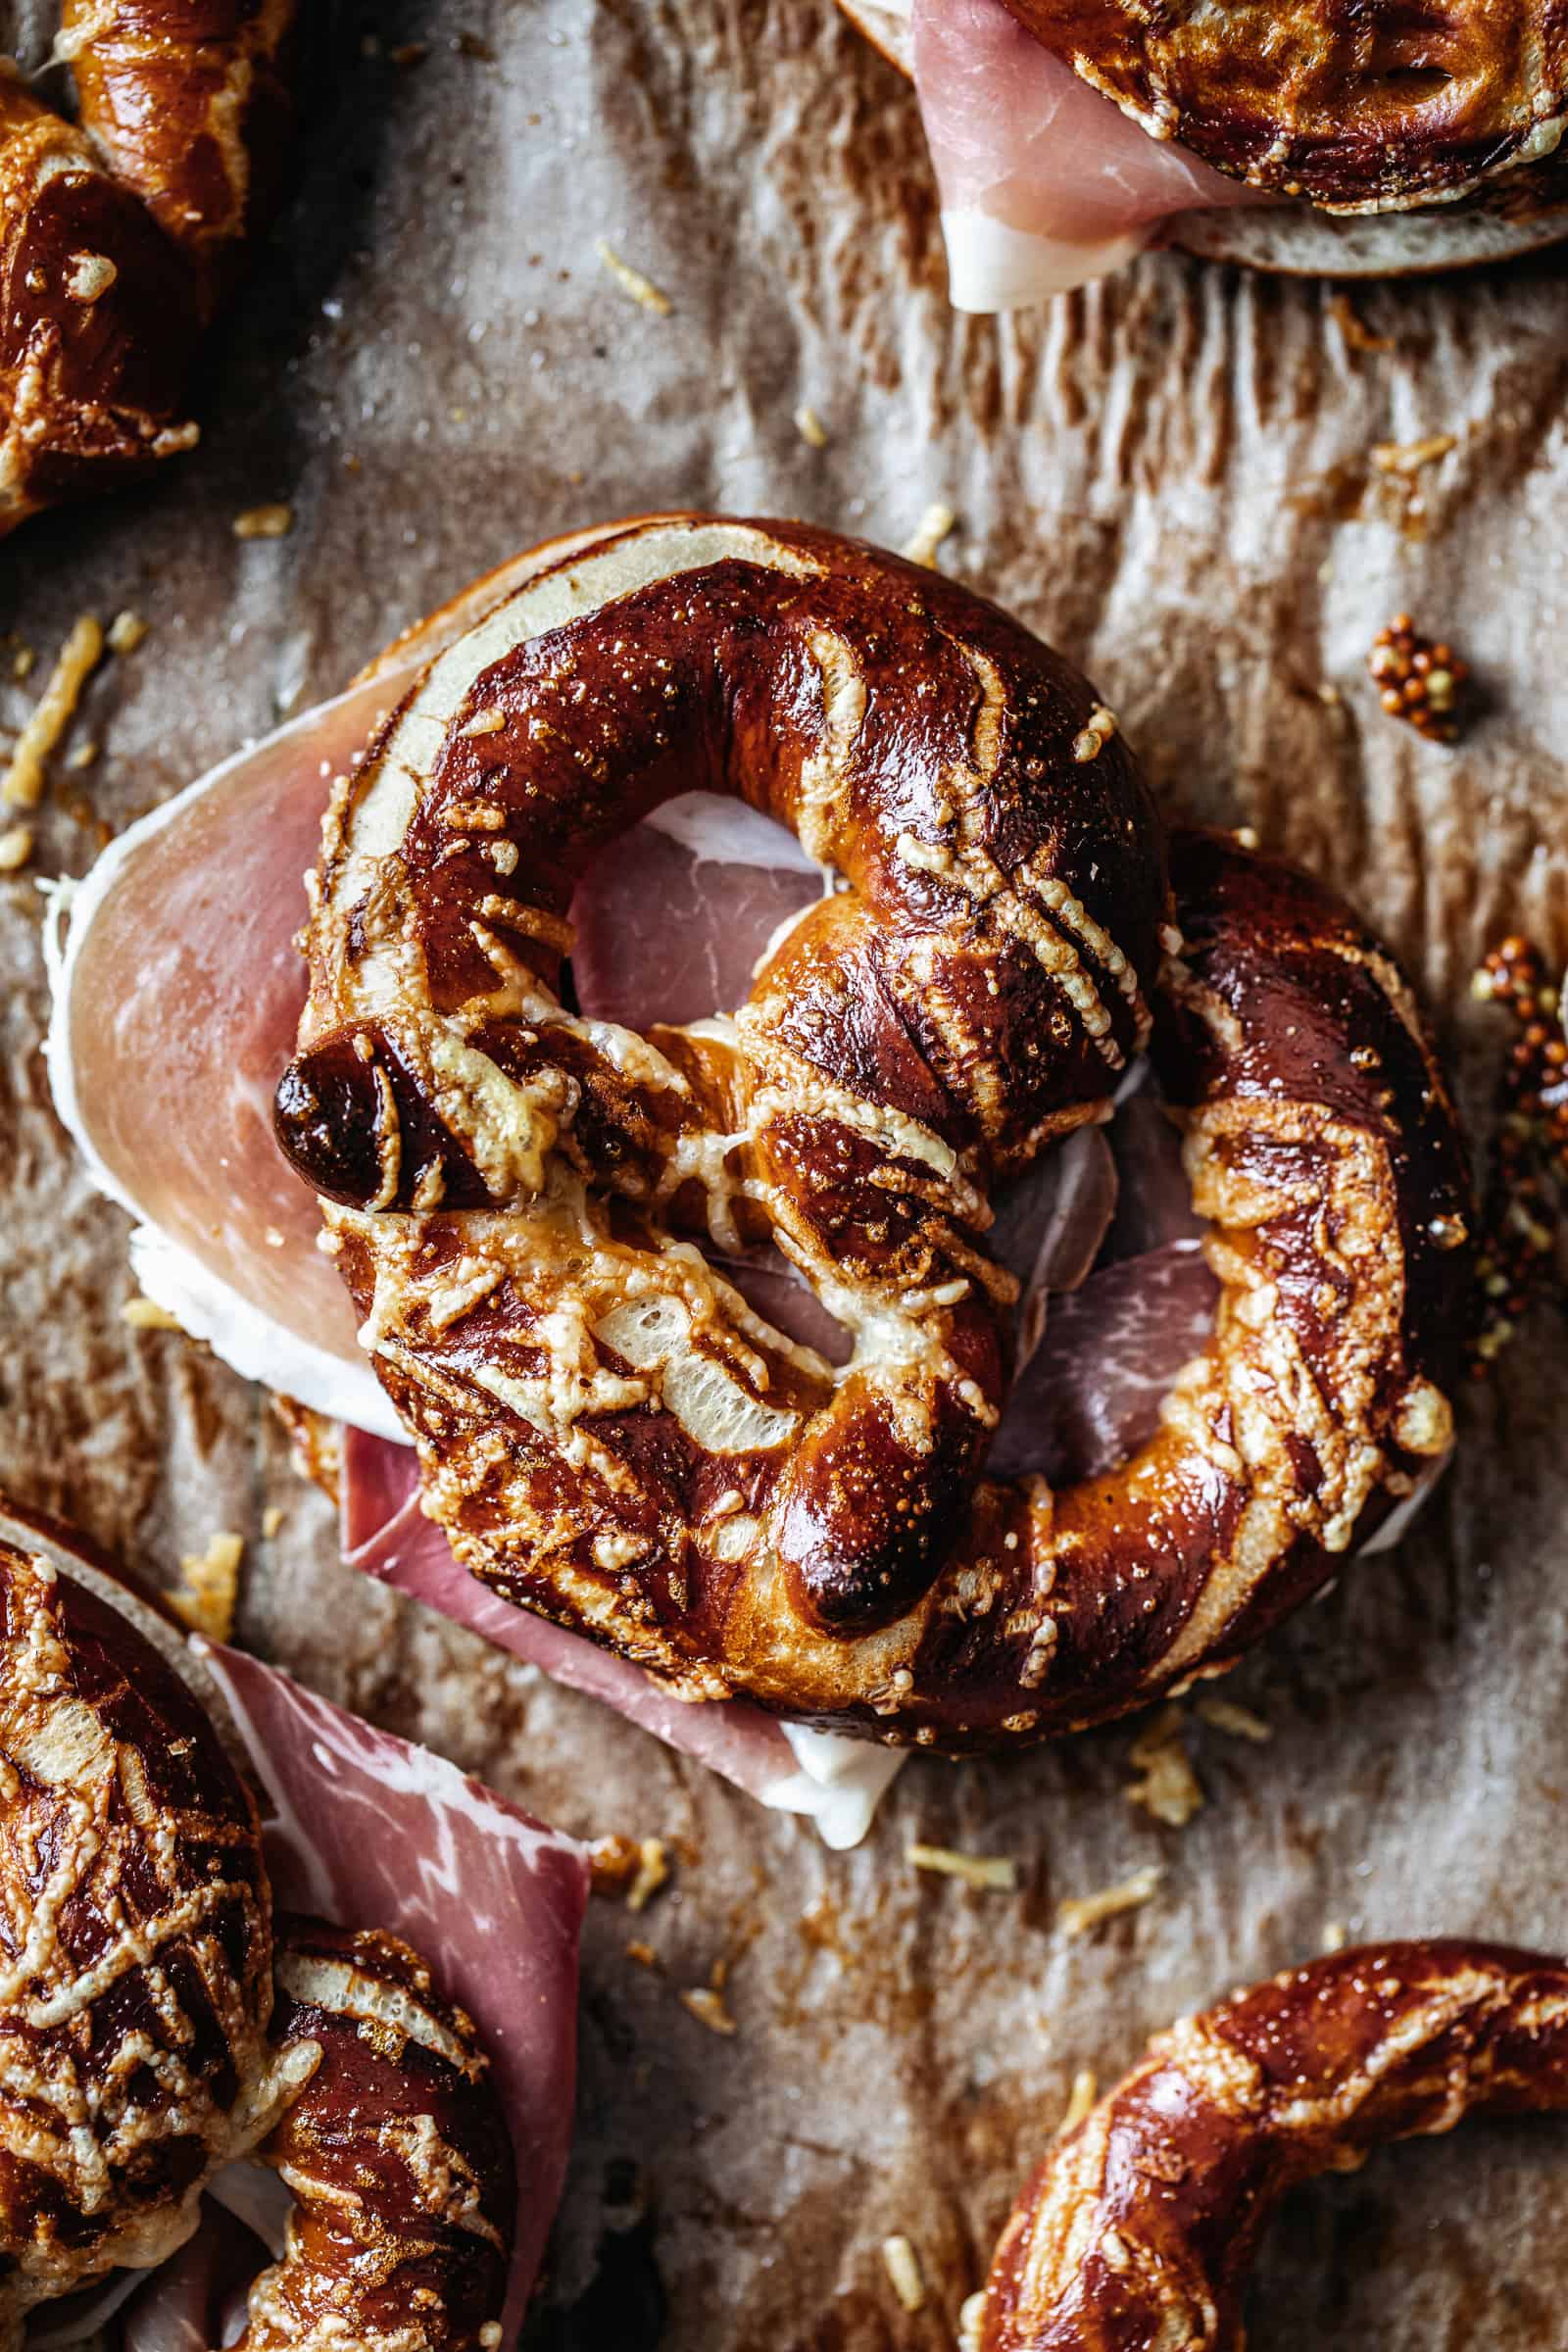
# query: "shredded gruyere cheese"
(16, 848)
(653, 1869)
(971, 2311)
(22, 785)
(995, 1870)
(808, 424)
(125, 632)
(1168, 1785)
(707, 2004)
(933, 527)
(145, 1314)
(1336, 1935)
(1079, 2101)
(632, 281)
(271, 1521)
(1408, 457)
(1242, 1724)
(643, 1953)
(210, 1586)
(902, 2266)
(274, 521)
(1081, 1913)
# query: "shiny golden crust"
(150, 2031)
(1357, 107)
(608, 1433)
(137, 1981)
(396, 2151)
(1139, 2228)
(120, 233)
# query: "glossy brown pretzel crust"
(150, 2031)
(1359, 105)
(120, 233)
(1140, 2228)
(607, 1433)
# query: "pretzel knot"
(155, 2022)
(1140, 2225)
(120, 232)
(518, 1195)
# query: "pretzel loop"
(608, 1432)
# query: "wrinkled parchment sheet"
(1172, 477)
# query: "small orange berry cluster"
(1528, 1184)
(1418, 680)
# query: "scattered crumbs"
(1097, 733)
(1168, 1785)
(1328, 692)
(209, 1586)
(1419, 679)
(16, 848)
(1359, 336)
(1245, 837)
(643, 1953)
(904, 2269)
(271, 1520)
(145, 1314)
(707, 2004)
(409, 53)
(971, 2311)
(996, 1871)
(489, 721)
(1336, 1935)
(22, 785)
(1079, 2101)
(632, 281)
(653, 1870)
(1409, 457)
(808, 424)
(125, 632)
(1241, 1723)
(22, 662)
(264, 523)
(83, 754)
(933, 527)
(1080, 1913)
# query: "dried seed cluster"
(1419, 679)
(1528, 1184)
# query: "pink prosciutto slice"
(1044, 183)
(367, 1827)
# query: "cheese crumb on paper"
(210, 1586)
(1167, 1788)
(632, 281)
(23, 780)
(933, 527)
(902, 2266)
(1080, 1914)
(264, 523)
(125, 632)
(808, 424)
(145, 1314)
(707, 2004)
(1408, 457)
(1241, 1723)
(16, 848)
(998, 1872)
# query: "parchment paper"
(1171, 477)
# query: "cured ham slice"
(362, 1827)
(838, 1781)
(1044, 183)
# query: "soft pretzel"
(1362, 106)
(151, 2031)
(1140, 2227)
(120, 233)
(608, 1433)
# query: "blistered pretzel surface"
(1359, 105)
(120, 232)
(1140, 2225)
(608, 1432)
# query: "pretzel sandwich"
(156, 2021)
(121, 232)
(608, 1433)
(1140, 2225)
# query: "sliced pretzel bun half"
(1522, 211)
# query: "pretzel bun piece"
(608, 1433)
(1140, 2227)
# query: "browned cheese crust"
(120, 233)
(1361, 105)
(608, 1433)
(397, 2153)
(151, 2033)
(1138, 2230)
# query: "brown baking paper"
(1174, 477)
